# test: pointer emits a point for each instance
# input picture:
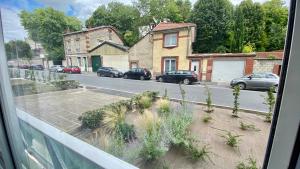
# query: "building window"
(79, 61)
(169, 65)
(170, 40)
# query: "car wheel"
(186, 81)
(125, 77)
(142, 78)
(242, 86)
(161, 79)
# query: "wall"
(102, 34)
(265, 65)
(142, 52)
(181, 51)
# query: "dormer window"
(170, 40)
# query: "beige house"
(95, 47)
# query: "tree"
(214, 21)
(124, 17)
(250, 25)
(23, 49)
(174, 10)
(46, 26)
(276, 24)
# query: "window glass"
(170, 40)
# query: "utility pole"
(17, 53)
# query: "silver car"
(257, 81)
(56, 68)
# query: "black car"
(109, 72)
(36, 67)
(138, 73)
(180, 76)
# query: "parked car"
(24, 66)
(36, 67)
(109, 72)
(138, 73)
(56, 68)
(72, 69)
(257, 81)
(180, 76)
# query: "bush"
(91, 119)
(236, 94)
(145, 102)
(152, 95)
(114, 115)
(66, 84)
(116, 146)
(198, 154)
(250, 165)
(231, 139)
(164, 107)
(126, 131)
(248, 48)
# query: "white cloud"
(12, 28)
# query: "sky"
(82, 9)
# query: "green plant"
(183, 99)
(236, 94)
(152, 95)
(66, 84)
(244, 126)
(114, 115)
(270, 102)
(62, 77)
(209, 106)
(198, 154)
(271, 57)
(164, 107)
(145, 102)
(126, 131)
(250, 164)
(206, 118)
(91, 119)
(248, 48)
(116, 146)
(231, 139)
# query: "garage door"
(225, 71)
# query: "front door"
(195, 67)
(96, 63)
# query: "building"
(95, 47)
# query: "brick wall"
(265, 65)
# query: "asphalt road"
(220, 95)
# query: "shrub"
(248, 48)
(231, 139)
(270, 102)
(116, 146)
(126, 131)
(206, 118)
(236, 94)
(244, 126)
(152, 95)
(164, 107)
(209, 106)
(91, 119)
(113, 116)
(62, 77)
(145, 102)
(66, 84)
(250, 165)
(198, 154)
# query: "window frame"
(165, 35)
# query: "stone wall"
(265, 65)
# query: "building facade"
(78, 46)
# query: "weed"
(164, 107)
(116, 146)
(209, 106)
(250, 164)
(145, 102)
(231, 139)
(199, 154)
(207, 118)
(270, 102)
(236, 94)
(244, 126)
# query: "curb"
(250, 111)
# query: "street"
(220, 95)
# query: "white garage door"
(225, 71)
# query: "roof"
(90, 29)
(169, 25)
(210, 55)
(269, 55)
(121, 47)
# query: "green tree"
(23, 49)
(250, 25)
(46, 26)
(214, 22)
(125, 18)
(276, 24)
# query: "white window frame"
(168, 41)
(170, 66)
